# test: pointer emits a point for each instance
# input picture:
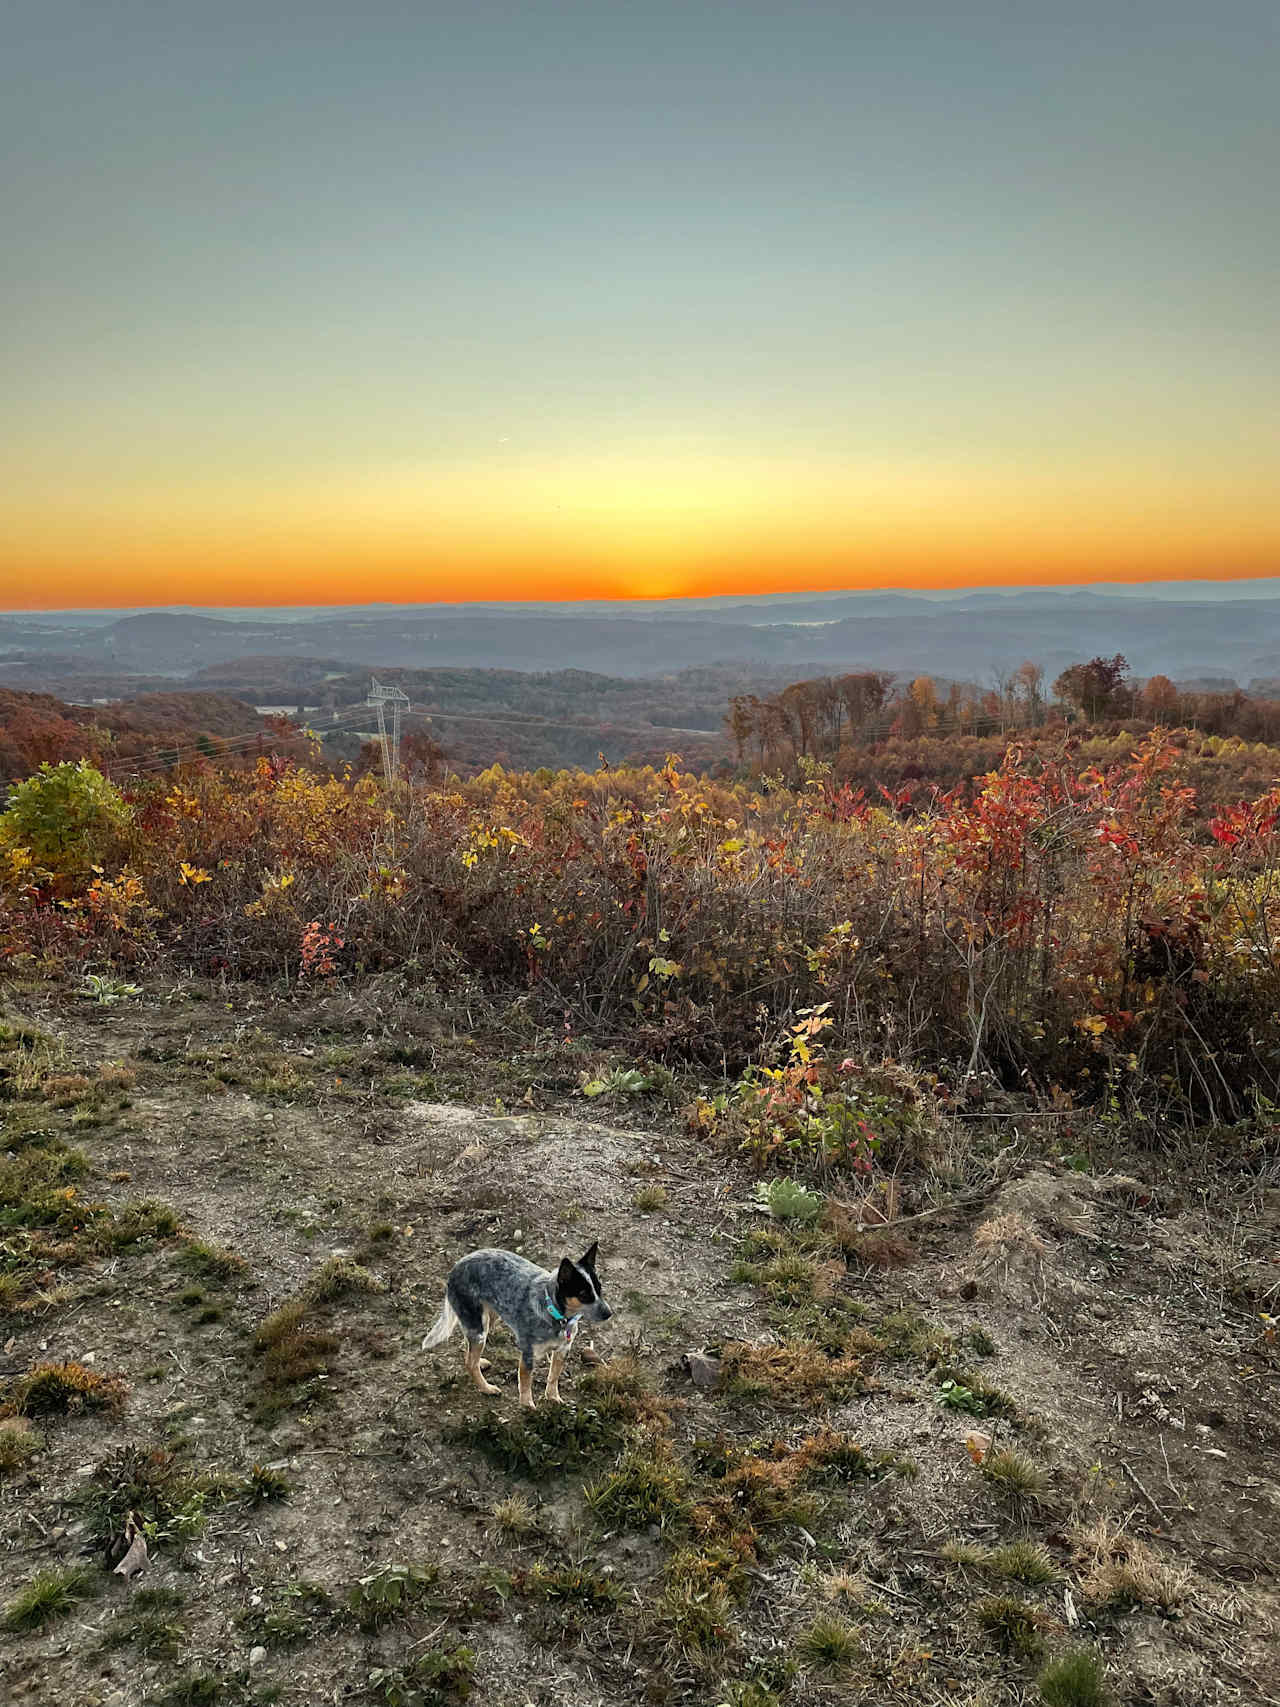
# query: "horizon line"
(932, 594)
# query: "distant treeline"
(820, 717)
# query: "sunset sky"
(322, 303)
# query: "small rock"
(256, 1656)
(704, 1371)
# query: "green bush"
(67, 816)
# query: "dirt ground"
(1117, 1310)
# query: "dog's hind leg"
(490, 1320)
(474, 1317)
(474, 1364)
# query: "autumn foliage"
(1075, 930)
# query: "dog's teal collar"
(558, 1315)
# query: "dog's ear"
(567, 1283)
(589, 1261)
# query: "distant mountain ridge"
(971, 635)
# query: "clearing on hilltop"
(929, 1141)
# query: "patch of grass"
(848, 1587)
(749, 1692)
(648, 1487)
(49, 1595)
(829, 1645)
(169, 1500)
(696, 1607)
(980, 1343)
(286, 1614)
(193, 1689)
(64, 1389)
(550, 1440)
(965, 1390)
(438, 1678)
(571, 1584)
(295, 1355)
(515, 1515)
(1119, 1571)
(1013, 1474)
(793, 1373)
(64, 1090)
(1015, 1561)
(19, 1444)
(906, 1333)
(765, 1487)
(1073, 1680)
(335, 1276)
(389, 1593)
(789, 1276)
(148, 1625)
(134, 1222)
(1011, 1625)
(210, 1262)
(265, 1483)
(567, 1597)
(648, 1198)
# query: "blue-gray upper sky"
(592, 297)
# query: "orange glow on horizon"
(638, 528)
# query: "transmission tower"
(381, 697)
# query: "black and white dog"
(543, 1309)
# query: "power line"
(167, 757)
(172, 755)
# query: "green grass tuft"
(264, 1484)
(19, 1443)
(1013, 1626)
(1013, 1474)
(49, 1595)
(552, 1439)
(647, 1487)
(1015, 1561)
(1073, 1680)
(210, 1262)
(829, 1645)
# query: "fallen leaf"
(135, 1559)
(977, 1446)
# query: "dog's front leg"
(553, 1376)
(526, 1383)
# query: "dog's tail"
(441, 1328)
